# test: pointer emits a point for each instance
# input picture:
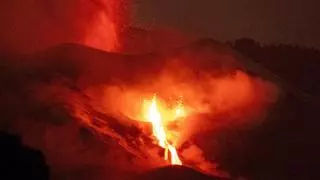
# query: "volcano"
(78, 106)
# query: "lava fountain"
(155, 115)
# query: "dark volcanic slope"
(205, 55)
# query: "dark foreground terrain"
(19, 161)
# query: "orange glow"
(154, 116)
(185, 106)
(180, 111)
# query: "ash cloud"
(30, 25)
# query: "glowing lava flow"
(154, 116)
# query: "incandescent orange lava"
(156, 114)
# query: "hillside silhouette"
(298, 65)
(19, 161)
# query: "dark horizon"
(271, 22)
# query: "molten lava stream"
(153, 115)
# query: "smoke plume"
(30, 25)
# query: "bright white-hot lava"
(154, 115)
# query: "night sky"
(269, 21)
